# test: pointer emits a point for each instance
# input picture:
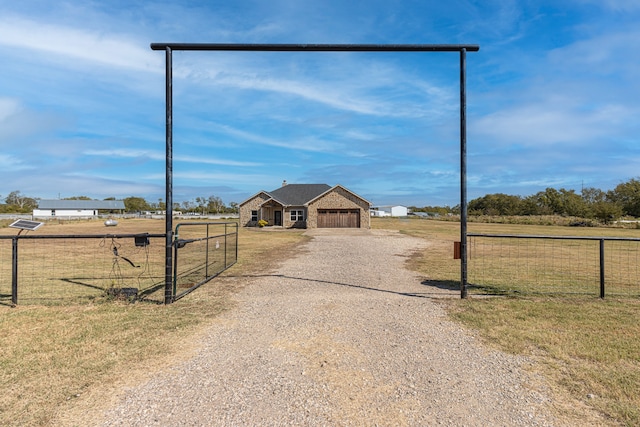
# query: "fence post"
(463, 175)
(169, 286)
(174, 278)
(14, 271)
(225, 245)
(601, 268)
(206, 256)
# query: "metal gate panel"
(202, 251)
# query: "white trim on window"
(297, 215)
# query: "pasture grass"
(53, 358)
(586, 346)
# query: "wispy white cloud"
(550, 123)
(503, 23)
(161, 156)
(209, 178)
(615, 5)
(360, 85)
(8, 107)
(213, 161)
(127, 153)
(114, 50)
(306, 144)
(18, 122)
(9, 163)
(552, 97)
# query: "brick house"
(306, 206)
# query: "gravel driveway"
(340, 334)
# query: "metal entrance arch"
(170, 47)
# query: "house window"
(297, 215)
(254, 216)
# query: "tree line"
(16, 202)
(591, 203)
(199, 205)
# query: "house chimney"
(284, 182)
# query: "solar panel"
(25, 224)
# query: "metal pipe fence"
(76, 269)
(50, 269)
(201, 252)
(529, 264)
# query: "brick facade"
(250, 205)
(337, 198)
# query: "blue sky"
(552, 97)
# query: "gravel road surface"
(340, 334)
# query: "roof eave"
(275, 200)
(254, 196)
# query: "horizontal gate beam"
(317, 47)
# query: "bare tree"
(215, 204)
(22, 202)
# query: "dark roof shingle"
(298, 194)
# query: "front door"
(277, 218)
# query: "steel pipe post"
(463, 175)
(168, 273)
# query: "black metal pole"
(206, 256)
(321, 47)
(14, 271)
(463, 176)
(226, 246)
(174, 287)
(168, 272)
(601, 268)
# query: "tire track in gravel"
(339, 334)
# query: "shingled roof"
(298, 194)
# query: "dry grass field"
(56, 355)
(56, 358)
(586, 345)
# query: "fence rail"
(68, 269)
(45, 269)
(503, 263)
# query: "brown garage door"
(344, 218)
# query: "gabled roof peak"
(298, 194)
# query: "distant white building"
(381, 211)
(75, 208)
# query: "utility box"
(457, 250)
